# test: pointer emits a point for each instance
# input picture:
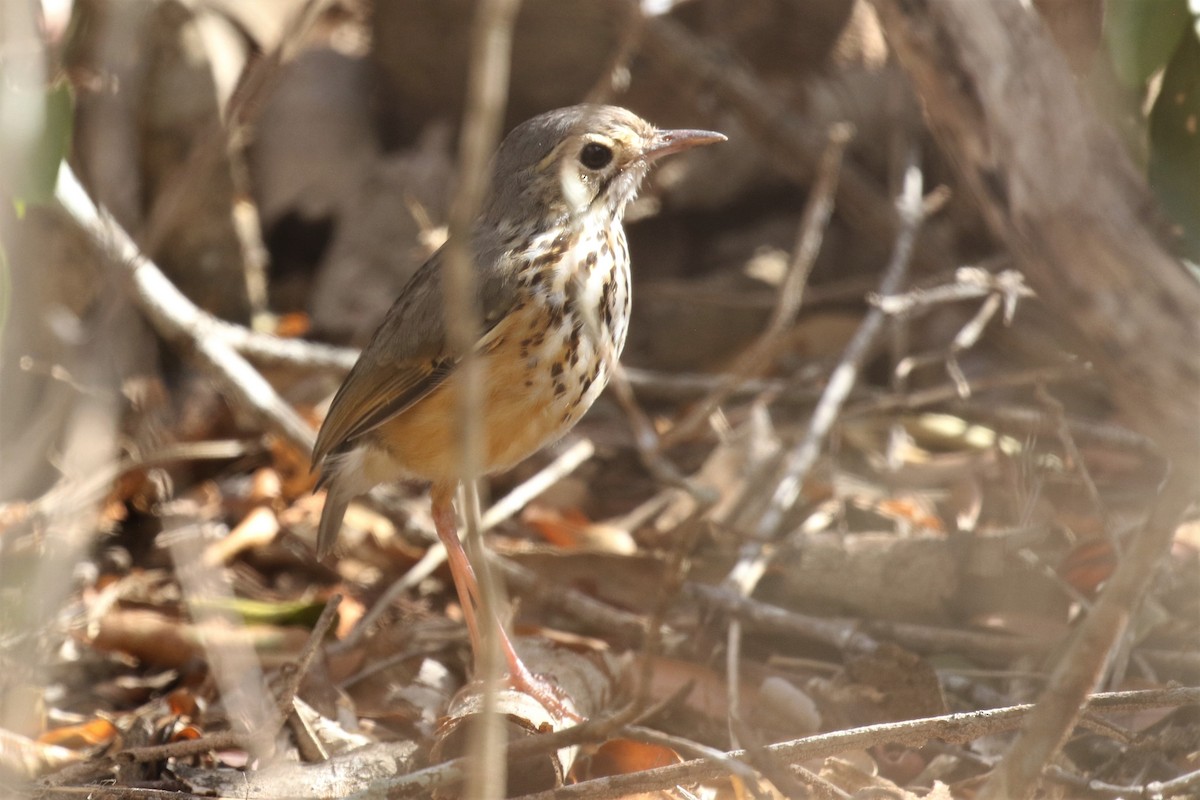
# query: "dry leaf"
(167, 641)
(622, 757)
(292, 325)
(1089, 564)
(86, 734)
(258, 529)
(25, 758)
(570, 529)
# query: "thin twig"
(778, 773)
(299, 668)
(120, 793)
(794, 465)
(841, 381)
(947, 393)
(855, 636)
(690, 748)
(646, 439)
(952, 728)
(214, 142)
(234, 666)
(969, 283)
(483, 115)
(270, 350)
(223, 740)
(685, 385)
(674, 575)
(615, 77)
(1077, 462)
(1029, 421)
(618, 624)
(999, 291)
(563, 465)
(1184, 785)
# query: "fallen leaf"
(86, 734)
(622, 757)
(570, 529)
(292, 325)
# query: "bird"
(552, 281)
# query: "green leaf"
(1175, 141)
(283, 612)
(1142, 35)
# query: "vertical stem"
(487, 91)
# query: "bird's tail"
(341, 477)
(337, 498)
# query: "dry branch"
(915, 733)
(179, 320)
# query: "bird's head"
(579, 160)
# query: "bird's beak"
(666, 142)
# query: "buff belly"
(532, 395)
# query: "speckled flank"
(546, 363)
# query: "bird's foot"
(541, 688)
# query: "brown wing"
(407, 358)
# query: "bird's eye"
(595, 155)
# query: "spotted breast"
(544, 364)
(575, 324)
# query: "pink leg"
(446, 525)
(465, 583)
